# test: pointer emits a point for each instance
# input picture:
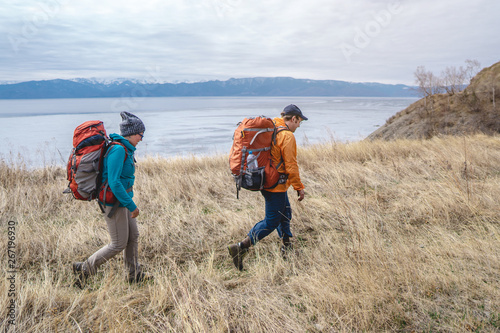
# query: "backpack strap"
(281, 129)
(259, 131)
(278, 130)
(100, 206)
(112, 143)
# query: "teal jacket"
(120, 171)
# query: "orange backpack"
(85, 163)
(256, 135)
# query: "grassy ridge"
(392, 236)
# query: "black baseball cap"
(293, 110)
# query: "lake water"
(39, 132)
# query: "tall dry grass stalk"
(392, 236)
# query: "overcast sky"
(197, 40)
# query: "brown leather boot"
(140, 277)
(237, 252)
(286, 248)
(81, 275)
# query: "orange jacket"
(285, 150)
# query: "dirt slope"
(474, 110)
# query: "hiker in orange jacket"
(278, 210)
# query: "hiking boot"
(286, 250)
(237, 253)
(81, 275)
(140, 277)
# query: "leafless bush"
(451, 81)
(428, 83)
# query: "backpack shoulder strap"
(278, 130)
(112, 143)
(281, 129)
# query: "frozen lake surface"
(39, 132)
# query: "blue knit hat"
(131, 124)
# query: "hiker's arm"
(289, 154)
(115, 166)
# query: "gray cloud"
(218, 39)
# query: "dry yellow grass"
(392, 236)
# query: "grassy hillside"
(392, 236)
(474, 110)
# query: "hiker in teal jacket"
(120, 210)
(119, 169)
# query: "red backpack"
(85, 163)
(256, 135)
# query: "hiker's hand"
(135, 213)
(301, 195)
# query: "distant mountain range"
(258, 86)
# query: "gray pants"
(124, 235)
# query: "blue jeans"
(278, 216)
